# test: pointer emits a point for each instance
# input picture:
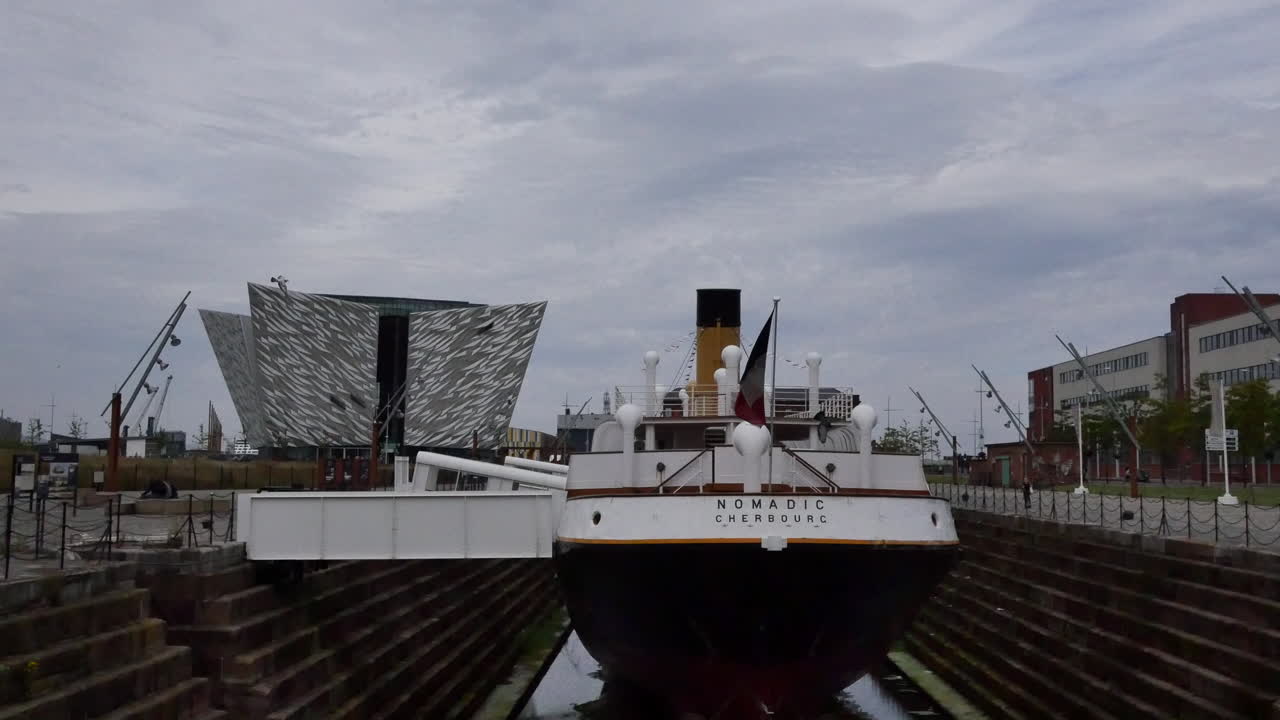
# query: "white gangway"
(515, 518)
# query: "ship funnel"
(719, 325)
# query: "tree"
(907, 439)
(1249, 406)
(76, 426)
(1169, 425)
(35, 431)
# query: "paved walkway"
(1249, 525)
(39, 543)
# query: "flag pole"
(773, 382)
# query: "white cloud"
(926, 186)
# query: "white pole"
(773, 380)
(1226, 498)
(1080, 452)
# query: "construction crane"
(163, 394)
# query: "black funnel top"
(719, 306)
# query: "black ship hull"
(723, 630)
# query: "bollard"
(1188, 517)
(1215, 522)
(1246, 523)
(191, 528)
(1142, 516)
(210, 518)
(62, 550)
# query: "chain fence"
(1248, 524)
(51, 531)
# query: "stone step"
(999, 695)
(247, 669)
(386, 644)
(394, 693)
(1044, 672)
(317, 595)
(252, 666)
(187, 699)
(443, 678)
(234, 607)
(976, 694)
(1248, 595)
(1157, 679)
(1094, 582)
(1160, 557)
(179, 597)
(1221, 658)
(495, 664)
(105, 691)
(24, 633)
(77, 657)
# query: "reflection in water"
(572, 689)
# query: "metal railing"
(46, 531)
(1248, 524)
(709, 401)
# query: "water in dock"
(572, 689)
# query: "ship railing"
(689, 477)
(707, 400)
(811, 472)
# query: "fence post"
(62, 550)
(211, 518)
(39, 527)
(110, 531)
(8, 532)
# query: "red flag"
(750, 403)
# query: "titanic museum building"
(309, 372)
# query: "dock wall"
(1049, 620)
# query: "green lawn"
(1261, 494)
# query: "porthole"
(595, 518)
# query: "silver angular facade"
(317, 357)
(466, 367)
(232, 338)
(303, 370)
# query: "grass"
(1260, 494)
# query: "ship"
(742, 570)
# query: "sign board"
(1228, 440)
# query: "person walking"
(1026, 492)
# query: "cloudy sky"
(926, 188)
